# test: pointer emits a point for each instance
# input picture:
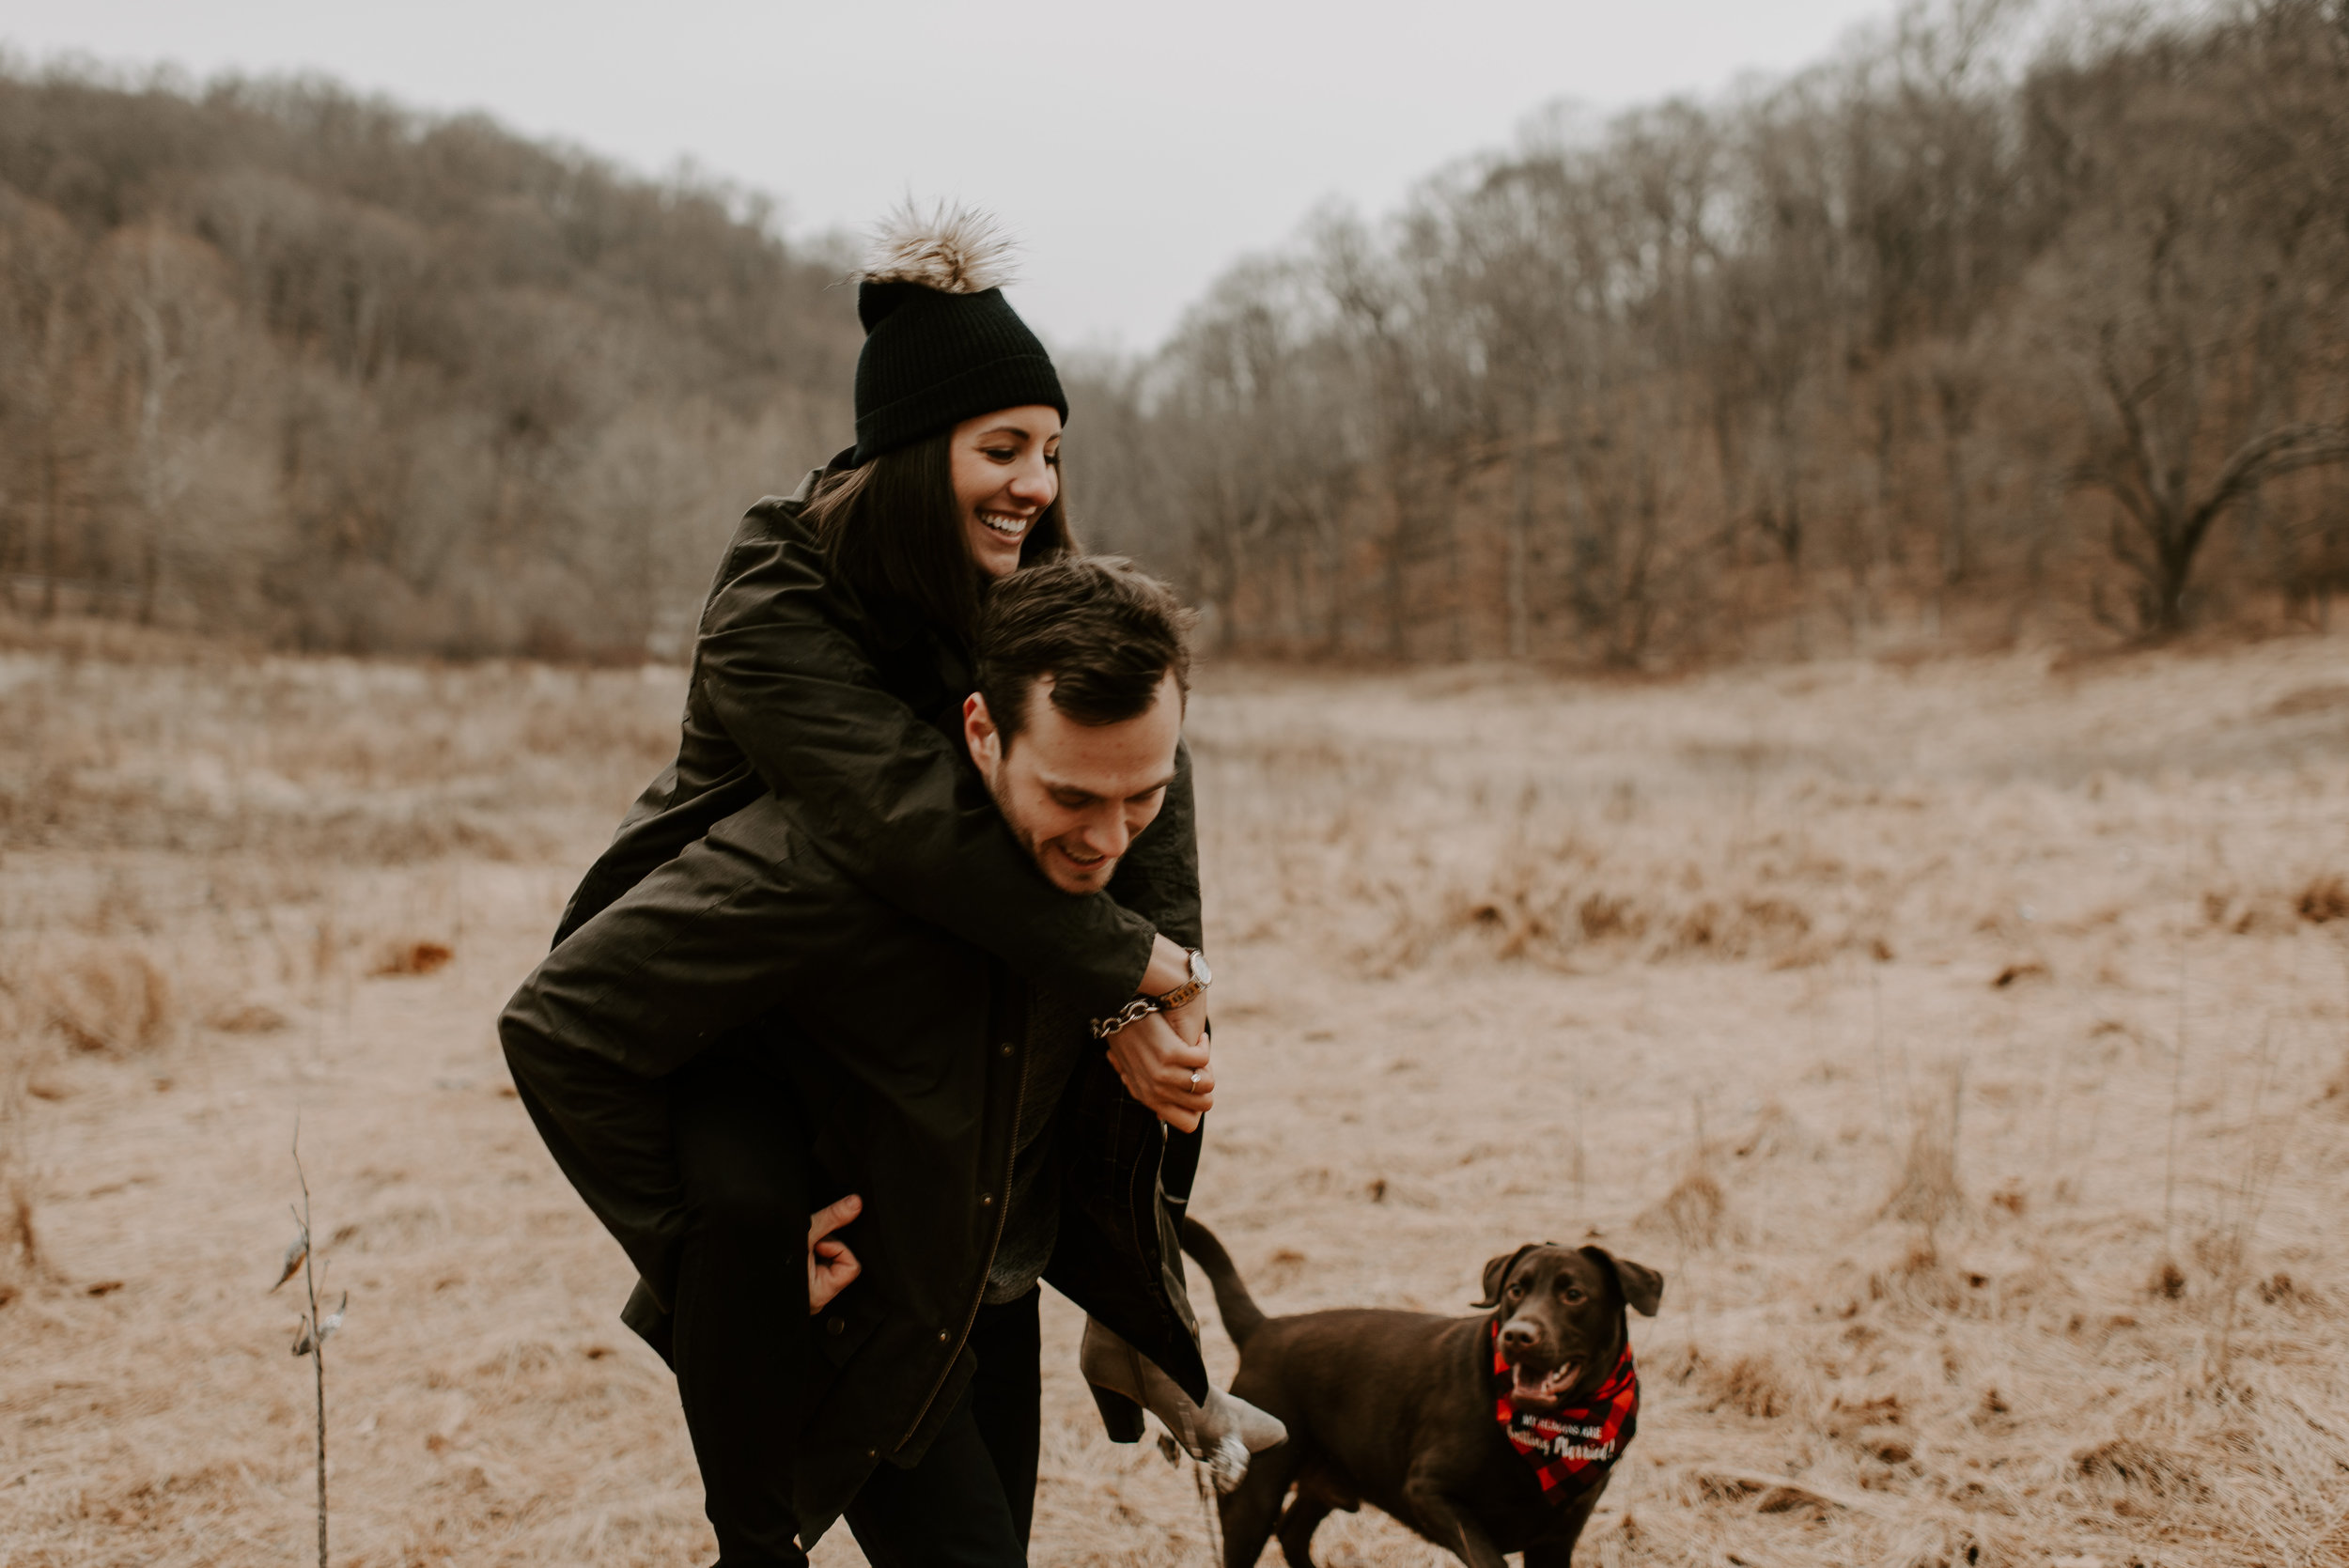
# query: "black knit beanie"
(941, 344)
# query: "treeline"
(281, 359)
(1999, 321)
(1948, 327)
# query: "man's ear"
(1643, 1287)
(1497, 1273)
(979, 733)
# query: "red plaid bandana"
(1570, 1446)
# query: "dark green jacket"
(797, 689)
(822, 868)
(909, 1060)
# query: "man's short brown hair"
(1106, 633)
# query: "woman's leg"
(708, 941)
(741, 1299)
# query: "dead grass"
(102, 996)
(20, 1233)
(1495, 953)
(1929, 1193)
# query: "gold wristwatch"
(1167, 1001)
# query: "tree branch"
(2285, 450)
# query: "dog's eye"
(1572, 1293)
(1516, 1288)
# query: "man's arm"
(888, 797)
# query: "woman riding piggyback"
(822, 716)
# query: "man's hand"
(830, 1266)
(1170, 967)
(1164, 1072)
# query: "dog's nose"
(1520, 1336)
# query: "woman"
(838, 624)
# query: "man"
(927, 1081)
(983, 1170)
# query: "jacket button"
(872, 1453)
(836, 1326)
(1005, 1047)
(943, 1337)
(986, 1200)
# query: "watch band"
(1166, 1002)
(1187, 992)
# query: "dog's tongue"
(1524, 1381)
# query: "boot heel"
(1120, 1414)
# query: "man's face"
(1075, 794)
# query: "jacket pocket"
(842, 1328)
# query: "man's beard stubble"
(1096, 876)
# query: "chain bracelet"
(1133, 1011)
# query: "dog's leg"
(1556, 1547)
(1448, 1526)
(1247, 1513)
(1297, 1523)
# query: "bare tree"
(51, 407)
(173, 325)
(2189, 290)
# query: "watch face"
(1199, 970)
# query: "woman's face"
(1006, 469)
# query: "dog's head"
(1561, 1312)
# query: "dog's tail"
(1243, 1317)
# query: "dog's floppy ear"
(1497, 1273)
(1643, 1287)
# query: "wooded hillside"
(1955, 335)
(275, 357)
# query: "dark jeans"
(970, 1501)
(741, 1336)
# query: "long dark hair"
(891, 530)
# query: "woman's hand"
(1163, 1071)
(830, 1266)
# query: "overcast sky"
(1136, 149)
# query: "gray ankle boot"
(1222, 1433)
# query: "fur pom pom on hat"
(941, 344)
(954, 250)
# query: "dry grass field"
(1964, 1040)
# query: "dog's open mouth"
(1530, 1386)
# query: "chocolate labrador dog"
(1487, 1434)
